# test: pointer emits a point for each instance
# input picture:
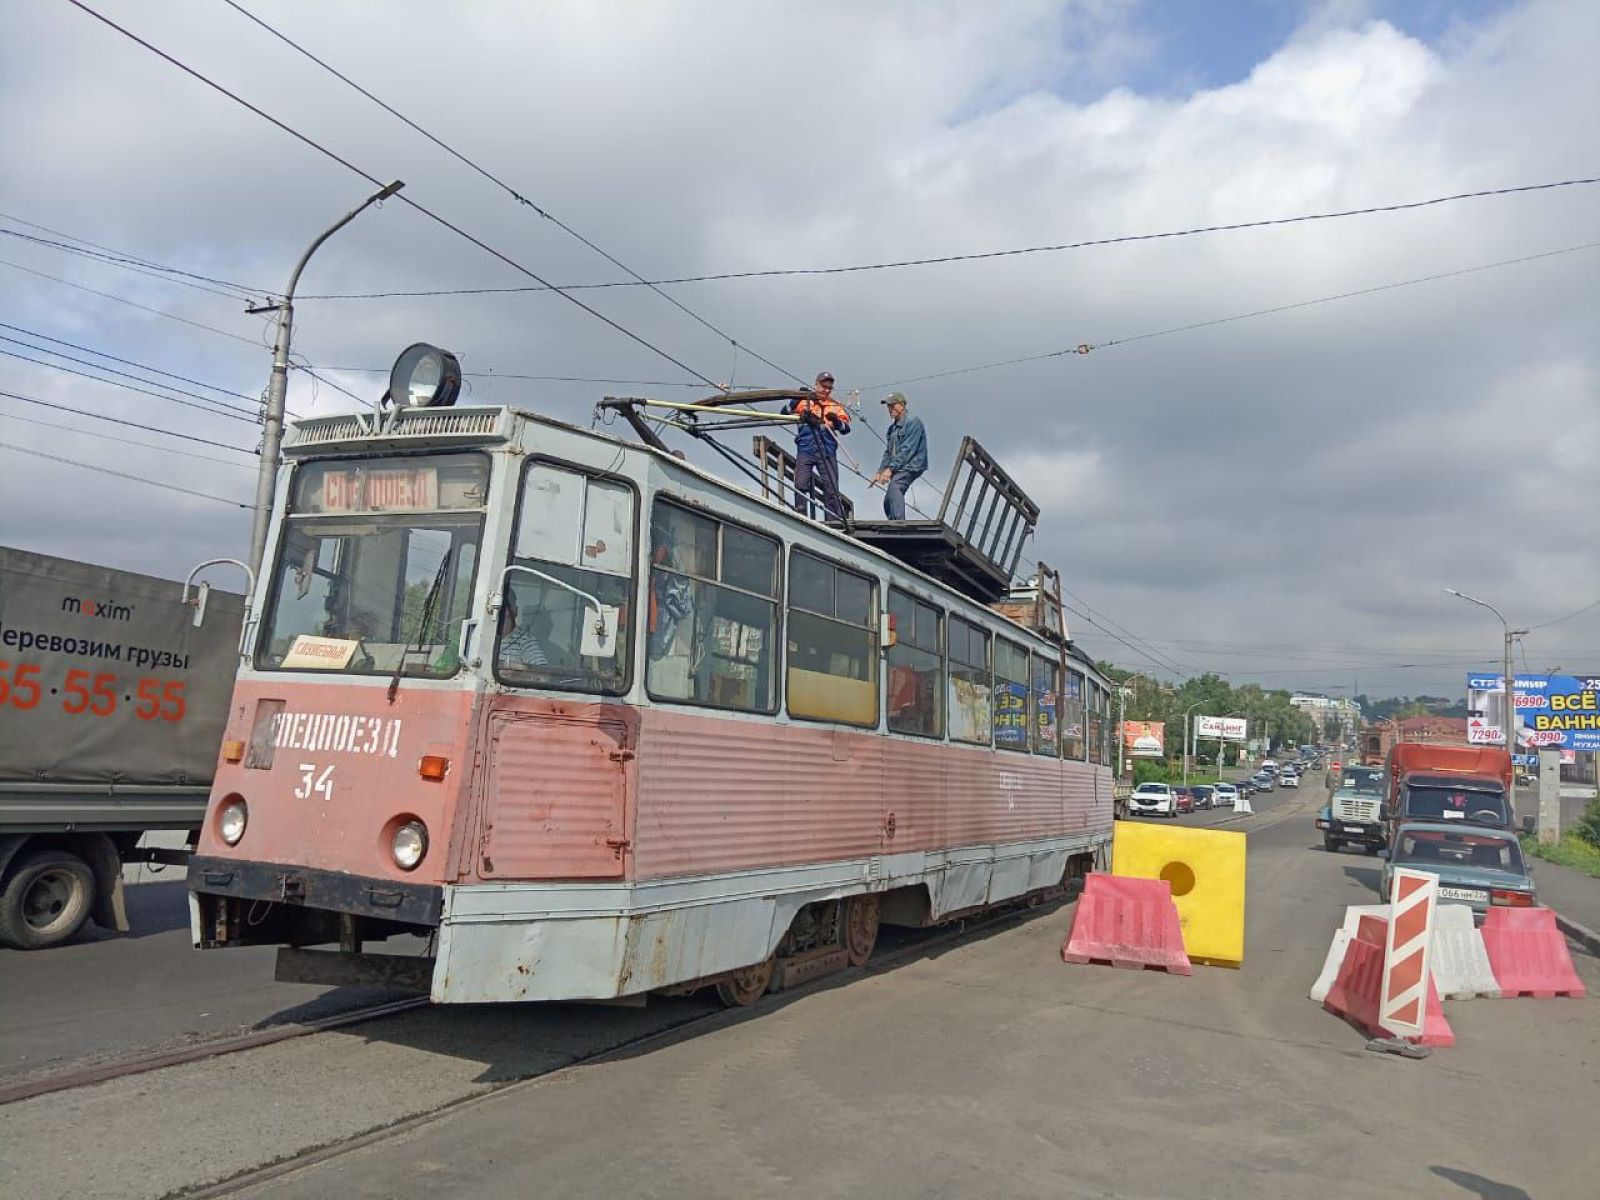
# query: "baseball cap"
(895, 398)
(825, 377)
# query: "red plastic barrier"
(1529, 955)
(1354, 994)
(1129, 923)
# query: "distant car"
(1247, 787)
(1264, 782)
(1482, 868)
(1152, 800)
(1184, 799)
(1224, 795)
(1204, 795)
(1289, 779)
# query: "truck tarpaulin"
(105, 679)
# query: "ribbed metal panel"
(407, 425)
(555, 798)
(1350, 808)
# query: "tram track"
(917, 943)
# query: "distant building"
(1334, 719)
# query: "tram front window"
(376, 566)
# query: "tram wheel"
(860, 928)
(746, 985)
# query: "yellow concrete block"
(1206, 870)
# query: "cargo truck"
(112, 705)
(1466, 784)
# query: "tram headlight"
(231, 820)
(424, 376)
(409, 845)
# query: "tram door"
(556, 797)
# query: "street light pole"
(1510, 679)
(278, 384)
(1122, 716)
(1188, 740)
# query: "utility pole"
(1510, 680)
(278, 384)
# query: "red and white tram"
(598, 723)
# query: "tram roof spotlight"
(424, 376)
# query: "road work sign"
(1403, 1001)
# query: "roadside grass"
(1571, 851)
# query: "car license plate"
(1455, 893)
(1354, 829)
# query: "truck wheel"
(46, 901)
(1330, 844)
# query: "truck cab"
(1457, 785)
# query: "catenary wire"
(508, 189)
(1558, 620)
(238, 337)
(123, 440)
(125, 256)
(83, 412)
(215, 412)
(99, 470)
(402, 197)
(122, 264)
(222, 405)
(125, 361)
(536, 378)
(1087, 347)
(991, 254)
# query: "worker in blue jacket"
(823, 421)
(905, 456)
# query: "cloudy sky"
(1281, 498)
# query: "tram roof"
(911, 546)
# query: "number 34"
(313, 783)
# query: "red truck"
(1427, 782)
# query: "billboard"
(1552, 710)
(1145, 739)
(1228, 729)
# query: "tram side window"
(1046, 695)
(833, 642)
(1072, 717)
(574, 543)
(1107, 730)
(1093, 706)
(971, 684)
(1011, 706)
(916, 669)
(713, 612)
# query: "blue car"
(1482, 868)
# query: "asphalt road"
(986, 1067)
(107, 996)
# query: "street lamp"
(1122, 714)
(278, 384)
(1510, 679)
(1187, 740)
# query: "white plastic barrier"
(1461, 969)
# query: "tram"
(596, 723)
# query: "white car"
(1289, 779)
(1224, 795)
(1153, 799)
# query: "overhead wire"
(220, 405)
(1088, 347)
(124, 440)
(128, 257)
(402, 197)
(238, 337)
(936, 260)
(514, 193)
(112, 260)
(33, 333)
(99, 470)
(83, 412)
(215, 412)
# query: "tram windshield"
(376, 565)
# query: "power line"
(215, 412)
(402, 197)
(1087, 347)
(112, 260)
(131, 303)
(171, 487)
(82, 412)
(1568, 617)
(680, 383)
(507, 188)
(123, 440)
(125, 361)
(896, 264)
(221, 405)
(125, 256)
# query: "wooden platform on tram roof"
(936, 549)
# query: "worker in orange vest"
(823, 420)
